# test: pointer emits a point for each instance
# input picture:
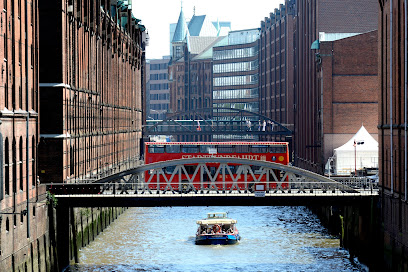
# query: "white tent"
(361, 151)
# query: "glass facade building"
(158, 91)
(236, 76)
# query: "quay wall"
(359, 229)
(75, 228)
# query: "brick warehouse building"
(91, 84)
(190, 70)
(276, 66)
(23, 238)
(348, 77)
(312, 18)
(92, 74)
(392, 132)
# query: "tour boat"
(216, 229)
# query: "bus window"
(170, 169)
(259, 149)
(256, 169)
(233, 168)
(172, 149)
(156, 149)
(226, 149)
(190, 169)
(208, 149)
(242, 149)
(277, 149)
(189, 149)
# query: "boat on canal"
(217, 229)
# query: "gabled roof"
(207, 53)
(199, 44)
(223, 28)
(201, 26)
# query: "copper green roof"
(181, 29)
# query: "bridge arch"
(278, 183)
(229, 121)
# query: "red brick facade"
(190, 89)
(276, 66)
(22, 237)
(91, 81)
(313, 17)
(392, 134)
(347, 72)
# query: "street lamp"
(356, 143)
(329, 162)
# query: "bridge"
(233, 182)
(215, 121)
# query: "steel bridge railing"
(140, 190)
(225, 176)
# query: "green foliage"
(85, 212)
(51, 199)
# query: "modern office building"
(157, 88)
(236, 77)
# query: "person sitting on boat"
(216, 228)
(230, 230)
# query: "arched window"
(7, 224)
(33, 161)
(71, 161)
(14, 163)
(6, 167)
(1, 170)
(21, 162)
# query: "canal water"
(162, 239)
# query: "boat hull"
(223, 239)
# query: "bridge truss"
(216, 121)
(233, 182)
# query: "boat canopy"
(216, 218)
(217, 215)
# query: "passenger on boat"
(217, 228)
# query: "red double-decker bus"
(263, 151)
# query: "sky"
(157, 15)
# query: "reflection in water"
(162, 239)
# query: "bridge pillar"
(62, 229)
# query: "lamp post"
(330, 161)
(356, 143)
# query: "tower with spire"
(180, 38)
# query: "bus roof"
(216, 143)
